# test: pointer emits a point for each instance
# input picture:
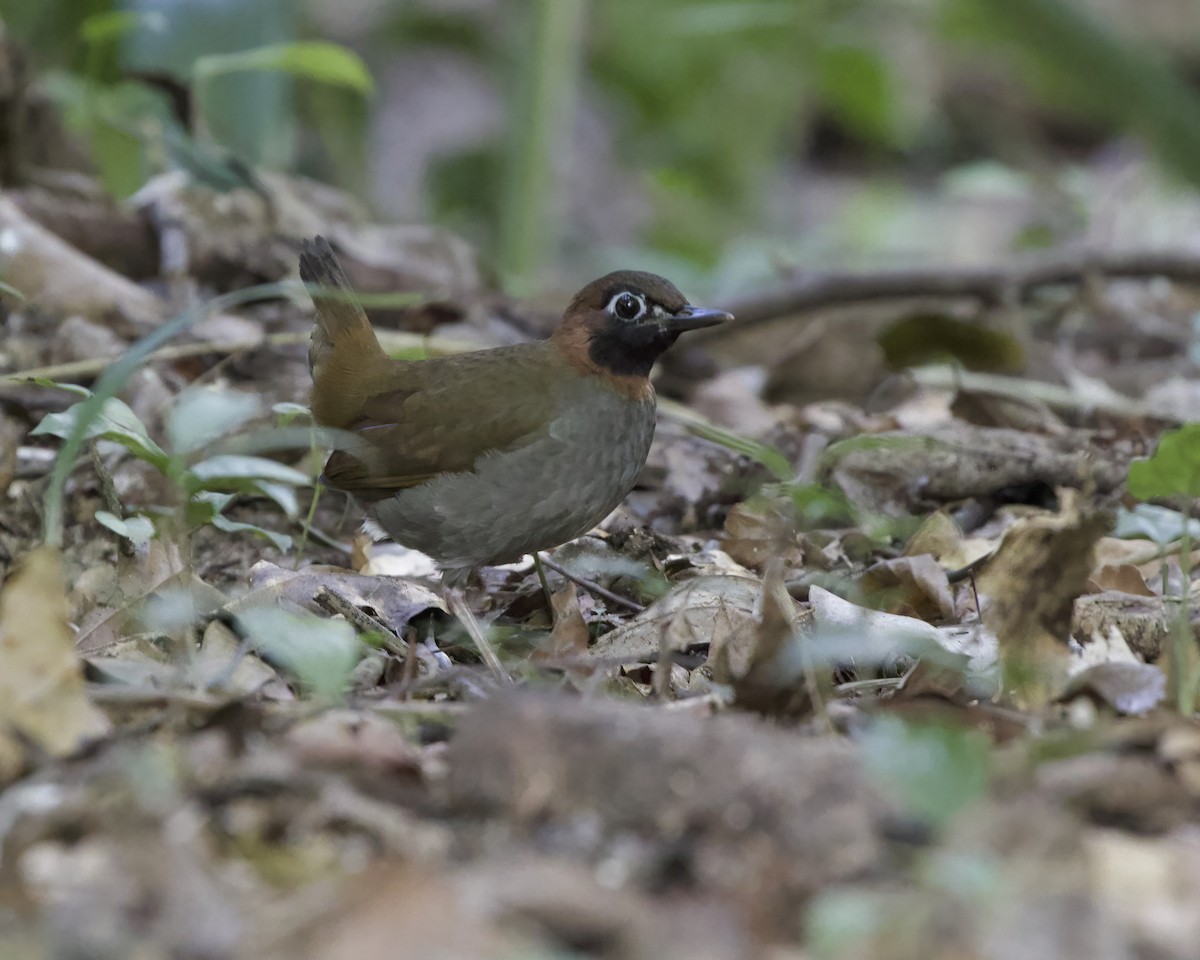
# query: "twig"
(991, 285)
(457, 605)
(945, 377)
(592, 587)
(362, 621)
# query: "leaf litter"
(910, 675)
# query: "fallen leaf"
(697, 612)
(941, 538)
(393, 600)
(42, 695)
(1132, 688)
(916, 586)
(852, 633)
(1125, 578)
(779, 679)
(760, 529)
(1028, 590)
(569, 637)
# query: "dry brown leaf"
(760, 530)
(914, 586)
(1114, 551)
(779, 678)
(940, 537)
(42, 696)
(700, 611)
(1030, 586)
(393, 600)
(569, 637)
(1125, 578)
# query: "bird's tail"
(343, 345)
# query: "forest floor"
(870, 665)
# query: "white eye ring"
(612, 310)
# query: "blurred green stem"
(541, 112)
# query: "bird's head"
(621, 323)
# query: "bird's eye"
(628, 307)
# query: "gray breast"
(550, 490)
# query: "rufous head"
(621, 324)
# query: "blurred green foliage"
(1073, 60)
(713, 107)
(713, 95)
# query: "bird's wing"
(441, 416)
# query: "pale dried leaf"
(703, 610)
(940, 537)
(41, 686)
(1125, 578)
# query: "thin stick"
(988, 284)
(362, 621)
(457, 605)
(541, 572)
(591, 586)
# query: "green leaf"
(1074, 54)
(205, 506)
(854, 81)
(326, 63)
(282, 541)
(288, 412)
(922, 338)
(138, 529)
(1173, 470)
(320, 653)
(67, 387)
(12, 291)
(202, 415)
(283, 495)
(105, 27)
(115, 422)
(235, 472)
(932, 771)
(870, 441)
(818, 506)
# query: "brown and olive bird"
(480, 458)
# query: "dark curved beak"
(694, 318)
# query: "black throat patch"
(630, 350)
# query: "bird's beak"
(693, 318)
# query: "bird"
(480, 458)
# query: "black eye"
(628, 307)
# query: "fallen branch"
(991, 285)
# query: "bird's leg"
(456, 604)
(541, 572)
